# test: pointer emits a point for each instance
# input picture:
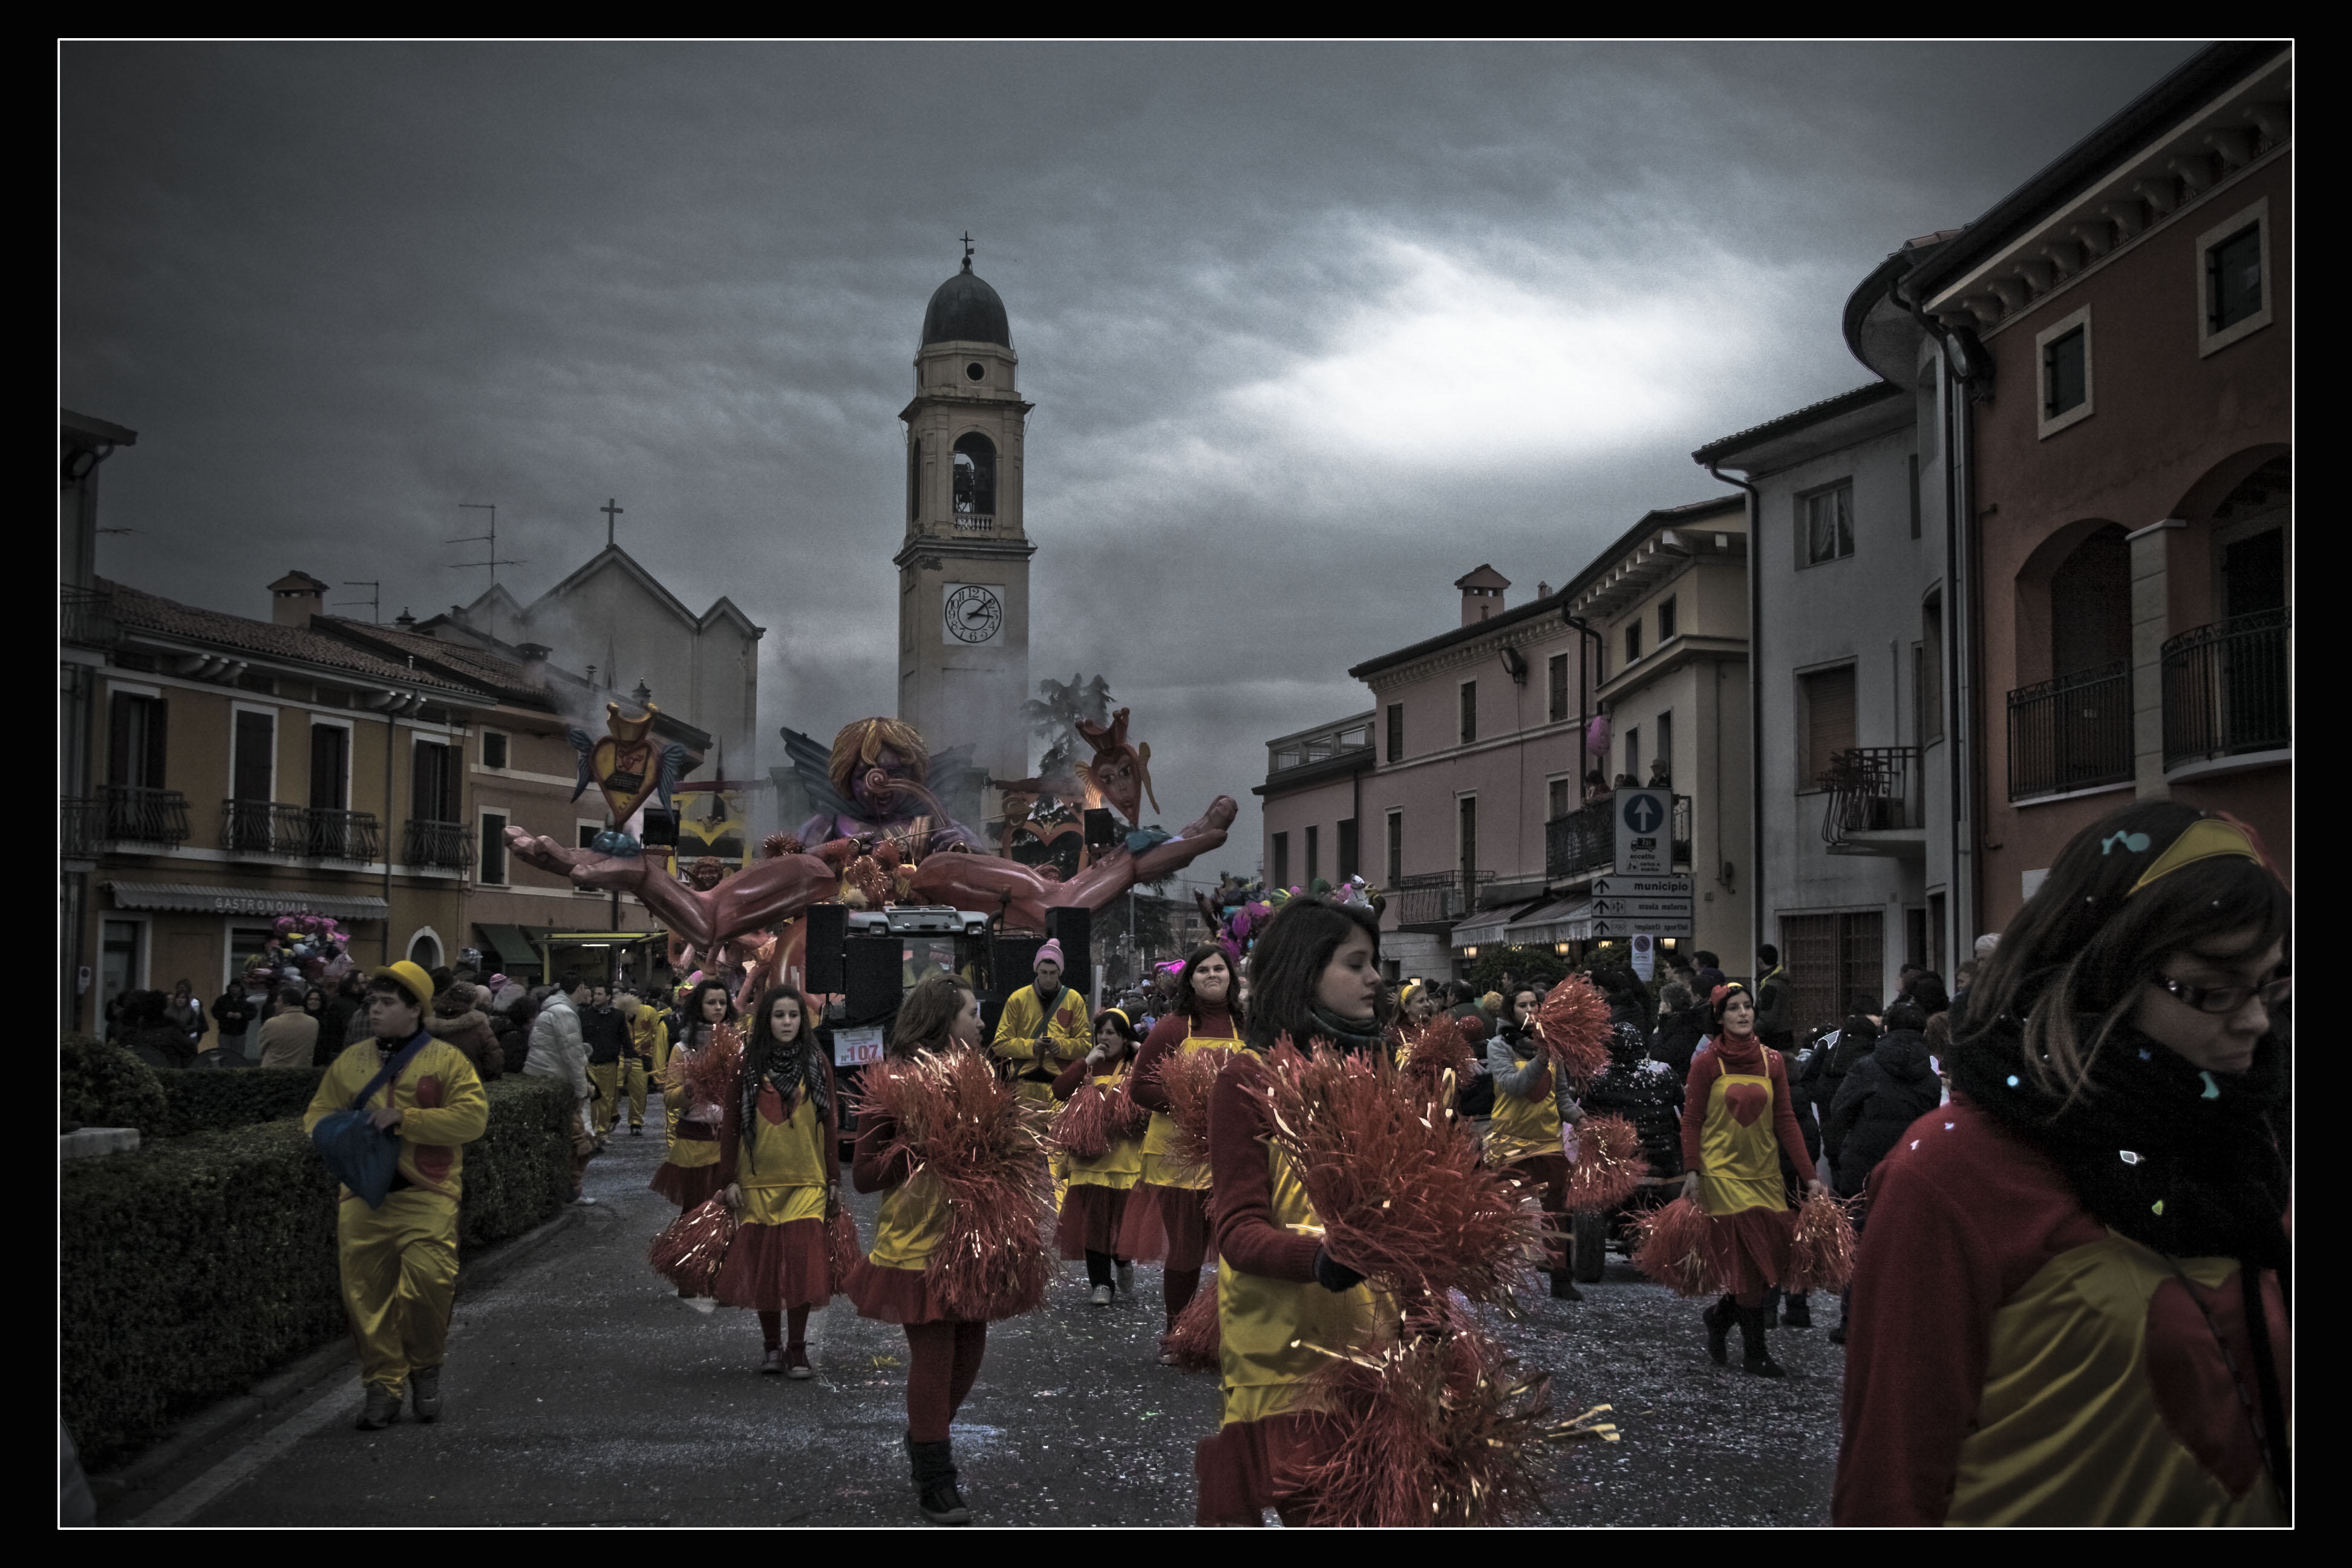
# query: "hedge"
(101, 1085)
(189, 1270)
(213, 1099)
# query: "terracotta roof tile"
(139, 610)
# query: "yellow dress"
(1159, 1168)
(1270, 1329)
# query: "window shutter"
(256, 735)
(1829, 720)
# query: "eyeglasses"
(2228, 998)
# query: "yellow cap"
(409, 977)
(2201, 840)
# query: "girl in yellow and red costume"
(690, 1176)
(1100, 1184)
(1737, 1121)
(1168, 1212)
(2067, 1307)
(780, 1160)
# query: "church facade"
(963, 568)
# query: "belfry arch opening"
(975, 476)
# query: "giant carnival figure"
(884, 838)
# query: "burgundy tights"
(772, 1327)
(945, 1363)
(1176, 1287)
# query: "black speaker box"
(872, 978)
(1072, 927)
(1011, 965)
(828, 928)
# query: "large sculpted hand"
(753, 900)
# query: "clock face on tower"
(974, 612)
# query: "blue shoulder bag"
(360, 1154)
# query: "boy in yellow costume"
(1042, 1029)
(399, 1261)
(648, 1049)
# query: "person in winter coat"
(606, 1031)
(290, 1035)
(458, 1019)
(186, 1013)
(1853, 1042)
(1774, 1026)
(1682, 1024)
(1532, 1105)
(149, 1030)
(558, 1051)
(233, 1019)
(2069, 1310)
(1880, 1096)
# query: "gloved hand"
(1333, 1275)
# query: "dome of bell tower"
(966, 310)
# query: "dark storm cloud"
(1311, 329)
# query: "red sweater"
(1243, 1208)
(1166, 1038)
(1704, 1069)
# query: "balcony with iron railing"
(297, 832)
(2070, 734)
(1430, 900)
(441, 846)
(86, 617)
(1584, 842)
(124, 816)
(2226, 690)
(1874, 802)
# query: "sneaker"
(1797, 1314)
(1167, 1358)
(706, 1305)
(796, 1363)
(583, 1200)
(943, 1505)
(1127, 1278)
(1101, 1298)
(636, 1131)
(425, 1391)
(771, 1361)
(382, 1409)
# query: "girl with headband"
(1168, 1213)
(2070, 1308)
(1096, 1202)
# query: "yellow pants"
(400, 1280)
(613, 1079)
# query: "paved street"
(582, 1391)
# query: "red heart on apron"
(771, 1105)
(1746, 1101)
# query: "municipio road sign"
(1675, 887)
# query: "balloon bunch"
(306, 946)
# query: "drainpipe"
(1583, 685)
(390, 720)
(1755, 719)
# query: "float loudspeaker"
(1070, 926)
(828, 928)
(871, 979)
(1011, 965)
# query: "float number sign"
(1642, 833)
(973, 612)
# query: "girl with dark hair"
(329, 1043)
(1284, 1304)
(2069, 1310)
(1096, 1202)
(780, 1159)
(891, 1283)
(690, 1176)
(1738, 1121)
(1168, 1212)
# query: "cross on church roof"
(611, 513)
(967, 250)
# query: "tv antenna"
(494, 560)
(374, 601)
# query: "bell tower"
(963, 569)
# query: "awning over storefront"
(1568, 920)
(1480, 930)
(509, 942)
(195, 898)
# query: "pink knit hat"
(1051, 953)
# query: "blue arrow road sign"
(1643, 812)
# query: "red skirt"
(1169, 1224)
(774, 1267)
(1241, 1472)
(687, 1187)
(1091, 1221)
(1749, 1249)
(894, 1295)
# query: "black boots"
(1754, 1356)
(1563, 1287)
(935, 1483)
(1718, 1319)
(1797, 1312)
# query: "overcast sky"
(1311, 330)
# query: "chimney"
(405, 621)
(1481, 594)
(1543, 589)
(295, 598)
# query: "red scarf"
(1740, 1055)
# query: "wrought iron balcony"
(2225, 690)
(1585, 841)
(1437, 898)
(443, 845)
(1873, 789)
(298, 832)
(2074, 732)
(125, 815)
(86, 617)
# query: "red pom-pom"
(1124, 1117)
(1609, 1165)
(842, 1250)
(1672, 1248)
(1195, 1340)
(1186, 1077)
(1573, 1024)
(710, 1076)
(1442, 1046)
(688, 1252)
(1082, 1127)
(1399, 1187)
(986, 1149)
(1821, 1249)
(1433, 1429)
